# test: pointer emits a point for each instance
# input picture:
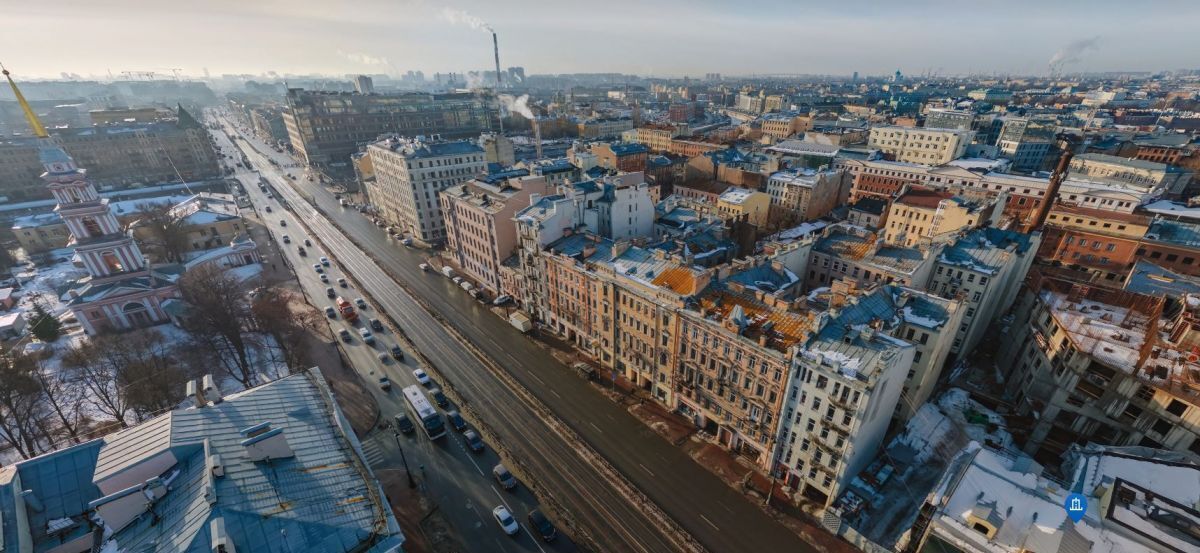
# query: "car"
(303, 252)
(361, 303)
(318, 268)
(366, 335)
(308, 242)
(325, 278)
(268, 208)
(383, 358)
(385, 383)
(407, 242)
(324, 261)
(506, 521)
(287, 239)
(282, 223)
(421, 376)
(439, 398)
(541, 525)
(397, 353)
(331, 312)
(423, 266)
(330, 292)
(342, 282)
(344, 335)
(404, 424)
(473, 441)
(456, 279)
(456, 421)
(376, 325)
(503, 299)
(504, 477)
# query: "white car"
(423, 266)
(421, 377)
(506, 520)
(502, 300)
(456, 279)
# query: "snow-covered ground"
(41, 283)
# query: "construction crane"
(131, 75)
(174, 71)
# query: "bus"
(423, 411)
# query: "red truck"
(346, 309)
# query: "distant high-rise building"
(364, 85)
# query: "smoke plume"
(1073, 52)
(517, 105)
(364, 59)
(461, 17)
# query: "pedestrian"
(272, 266)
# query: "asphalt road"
(717, 516)
(459, 481)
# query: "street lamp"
(411, 483)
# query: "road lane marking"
(555, 394)
(537, 378)
(646, 469)
(710, 523)
(537, 540)
(596, 427)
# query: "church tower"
(105, 249)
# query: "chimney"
(210, 389)
(537, 137)
(196, 392)
(499, 105)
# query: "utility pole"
(411, 483)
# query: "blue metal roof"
(62, 482)
(496, 177)
(628, 148)
(1148, 278)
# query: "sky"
(645, 37)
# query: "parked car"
(325, 261)
(376, 325)
(423, 266)
(366, 335)
(439, 398)
(308, 242)
(287, 239)
(282, 223)
(384, 383)
(542, 525)
(325, 278)
(503, 299)
(268, 208)
(506, 520)
(344, 335)
(398, 353)
(404, 424)
(504, 477)
(318, 268)
(422, 378)
(303, 252)
(330, 312)
(456, 421)
(330, 292)
(456, 279)
(407, 242)
(383, 358)
(474, 442)
(342, 282)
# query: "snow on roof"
(1167, 207)
(1095, 328)
(736, 195)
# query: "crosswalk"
(373, 453)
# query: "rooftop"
(1180, 233)
(1127, 162)
(737, 196)
(984, 249)
(800, 147)
(419, 148)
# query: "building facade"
(920, 145)
(409, 175)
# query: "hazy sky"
(663, 37)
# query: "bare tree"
(96, 366)
(290, 329)
(217, 320)
(151, 379)
(63, 401)
(167, 235)
(20, 398)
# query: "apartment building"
(1102, 365)
(327, 127)
(604, 127)
(1174, 245)
(920, 145)
(1158, 177)
(657, 139)
(409, 174)
(993, 501)
(750, 205)
(808, 194)
(919, 215)
(958, 119)
(781, 126)
(621, 156)
(478, 214)
(1100, 241)
(984, 267)
(852, 253)
(846, 385)
(498, 148)
(117, 156)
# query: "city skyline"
(668, 39)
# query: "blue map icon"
(1076, 506)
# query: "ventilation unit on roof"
(221, 543)
(264, 443)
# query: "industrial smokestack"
(537, 137)
(499, 106)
